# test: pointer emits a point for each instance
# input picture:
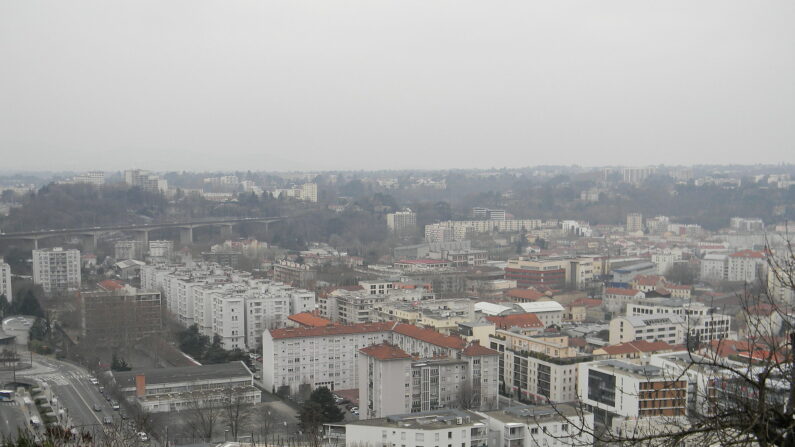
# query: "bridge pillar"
(88, 242)
(143, 236)
(186, 235)
(226, 230)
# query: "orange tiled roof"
(110, 284)
(526, 320)
(587, 302)
(300, 332)
(430, 336)
(524, 294)
(475, 350)
(385, 351)
(309, 320)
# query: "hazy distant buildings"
(96, 178)
(636, 175)
(145, 180)
(746, 225)
(487, 214)
(634, 222)
(306, 192)
(5, 280)
(402, 222)
(161, 251)
(129, 250)
(57, 269)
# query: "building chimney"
(140, 385)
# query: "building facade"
(57, 270)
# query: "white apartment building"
(701, 322)
(667, 328)
(361, 306)
(456, 230)
(57, 269)
(401, 222)
(525, 426)
(5, 281)
(145, 180)
(226, 302)
(123, 250)
(746, 265)
(96, 178)
(666, 259)
(747, 224)
(443, 427)
(634, 222)
(161, 251)
(309, 192)
(392, 382)
(328, 356)
(616, 299)
(714, 267)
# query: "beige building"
(634, 222)
(392, 382)
(667, 328)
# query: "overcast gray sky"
(336, 84)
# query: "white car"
(142, 436)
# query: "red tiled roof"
(300, 332)
(526, 320)
(677, 287)
(524, 294)
(748, 254)
(110, 284)
(309, 320)
(422, 261)
(618, 291)
(475, 350)
(647, 280)
(762, 309)
(385, 351)
(587, 302)
(430, 336)
(577, 342)
(638, 346)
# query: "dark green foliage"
(200, 348)
(119, 364)
(192, 342)
(319, 409)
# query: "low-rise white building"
(443, 427)
(184, 388)
(701, 322)
(544, 425)
(667, 328)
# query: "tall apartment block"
(57, 269)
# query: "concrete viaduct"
(90, 234)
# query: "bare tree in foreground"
(738, 393)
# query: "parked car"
(107, 420)
(97, 407)
(115, 405)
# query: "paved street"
(71, 386)
(11, 418)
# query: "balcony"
(513, 432)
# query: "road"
(70, 384)
(11, 419)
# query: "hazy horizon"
(362, 85)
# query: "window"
(449, 435)
(419, 437)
